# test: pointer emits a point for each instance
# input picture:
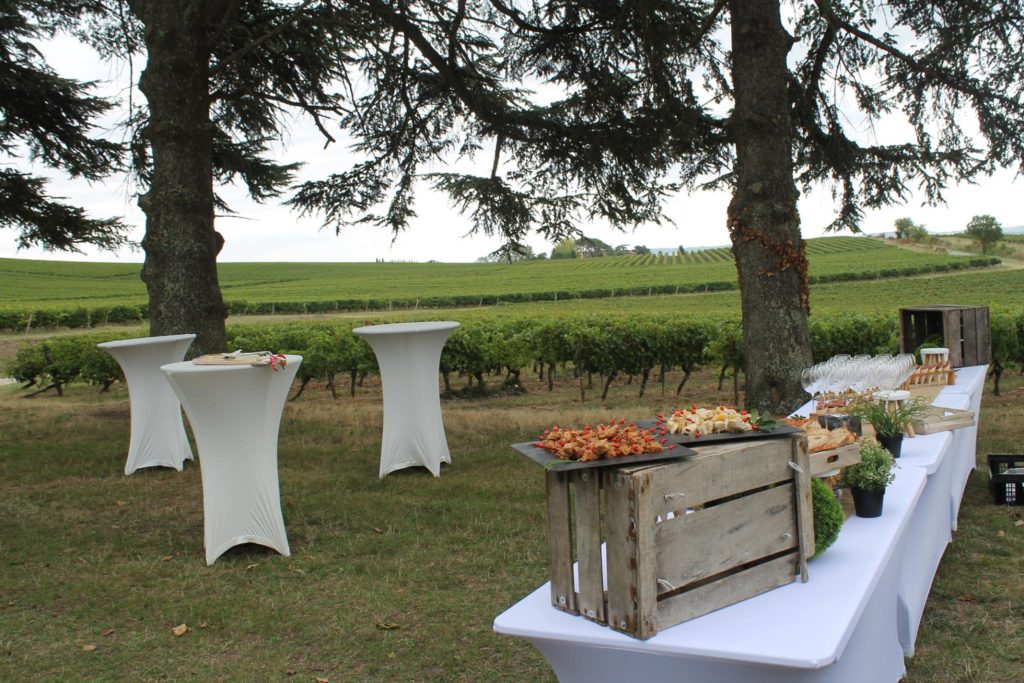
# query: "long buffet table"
(854, 621)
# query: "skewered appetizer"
(612, 440)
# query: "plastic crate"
(1006, 473)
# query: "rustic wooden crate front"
(963, 330)
(682, 538)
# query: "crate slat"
(823, 461)
(621, 548)
(805, 502)
(725, 536)
(590, 598)
(563, 594)
(727, 591)
(721, 471)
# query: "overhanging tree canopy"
(49, 119)
(629, 99)
(702, 93)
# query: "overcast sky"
(271, 232)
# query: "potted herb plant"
(889, 422)
(868, 479)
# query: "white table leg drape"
(157, 432)
(235, 413)
(409, 355)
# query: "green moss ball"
(828, 516)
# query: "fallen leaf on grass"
(319, 679)
(120, 503)
(1019, 522)
(251, 566)
(296, 570)
(378, 530)
(89, 648)
(1001, 534)
(392, 655)
(388, 626)
(107, 632)
(966, 597)
(203, 624)
(180, 630)
(167, 558)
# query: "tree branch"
(238, 54)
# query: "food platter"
(550, 462)
(780, 430)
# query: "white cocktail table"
(235, 413)
(409, 356)
(158, 434)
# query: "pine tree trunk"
(181, 245)
(763, 221)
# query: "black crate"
(1006, 473)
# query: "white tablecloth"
(235, 413)
(838, 627)
(929, 528)
(409, 355)
(851, 623)
(970, 382)
(158, 434)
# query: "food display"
(820, 438)
(833, 400)
(612, 440)
(697, 422)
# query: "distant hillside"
(44, 293)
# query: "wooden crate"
(937, 419)
(682, 538)
(964, 330)
(824, 461)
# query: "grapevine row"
(606, 346)
(14, 318)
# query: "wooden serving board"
(937, 419)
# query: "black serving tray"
(781, 430)
(550, 462)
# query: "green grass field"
(63, 285)
(393, 580)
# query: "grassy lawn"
(394, 580)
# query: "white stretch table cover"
(409, 355)
(970, 381)
(839, 627)
(929, 532)
(158, 433)
(235, 413)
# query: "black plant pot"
(893, 444)
(867, 503)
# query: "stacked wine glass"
(843, 377)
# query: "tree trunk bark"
(763, 221)
(181, 245)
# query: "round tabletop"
(144, 341)
(188, 367)
(407, 328)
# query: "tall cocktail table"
(158, 434)
(409, 355)
(235, 413)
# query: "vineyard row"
(607, 346)
(14, 319)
